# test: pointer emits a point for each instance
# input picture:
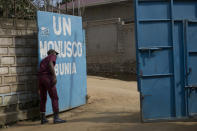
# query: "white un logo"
(44, 31)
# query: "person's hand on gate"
(54, 81)
(52, 70)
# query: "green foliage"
(66, 1)
(21, 9)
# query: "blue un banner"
(64, 33)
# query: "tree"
(17, 9)
(65, 1)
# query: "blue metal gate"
(166, 47)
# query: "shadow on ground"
(111, 117)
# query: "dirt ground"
(113, 106)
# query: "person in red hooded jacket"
(47, 83)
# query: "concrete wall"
(18, 70)
(123, 10)
(110, 47)
(110, 43)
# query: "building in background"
(109, 26)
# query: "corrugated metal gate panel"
(166, 33)
(191, 37)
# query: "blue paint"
(166, 35)
(64, 33)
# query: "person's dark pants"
(45, 85)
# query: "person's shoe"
(43, 119)
(57, 120)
